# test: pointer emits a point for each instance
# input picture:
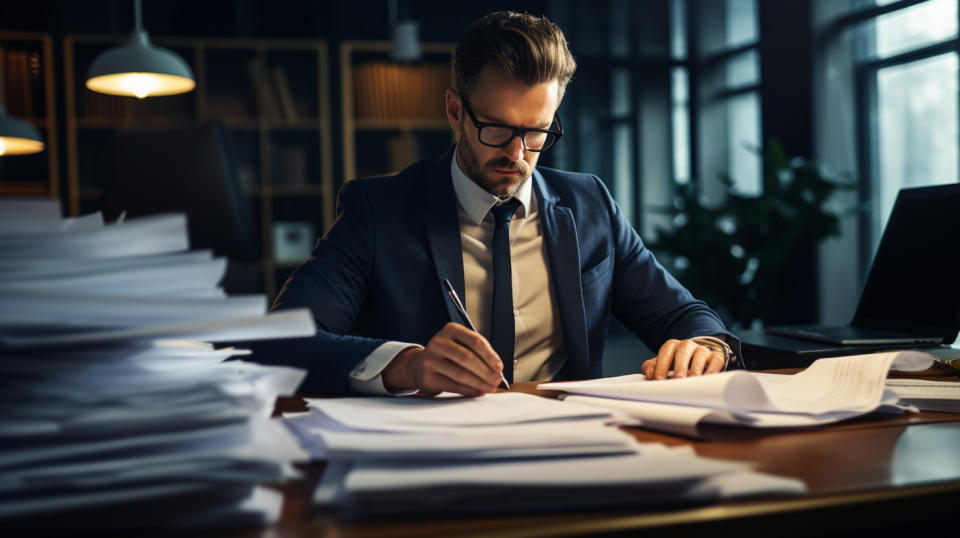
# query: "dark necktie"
(502, 335)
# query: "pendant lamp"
(406, 35)
(17, 137)
(139, 68)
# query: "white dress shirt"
(539, 350)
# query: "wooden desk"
(867, 475)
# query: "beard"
(483, 174)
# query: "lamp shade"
(406, 41)
(18, 137)
(140, 69)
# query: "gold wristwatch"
(716, 344)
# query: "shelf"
(271, 95)
(284, 190)
(44, 123)
(29, 94)
(392, 113)
(401, 125)
(24, 188)
(86, 123)
(310, 124)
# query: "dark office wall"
(787, 115)
(295, 19)
(785, 68)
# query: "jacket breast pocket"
(591, 274)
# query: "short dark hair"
(524, 48)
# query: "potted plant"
(739, 256)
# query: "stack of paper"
(928, 395)
(829, 390)
(501, 452)
(504, 425)
(114, 416)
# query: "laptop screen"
(914, 282)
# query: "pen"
(463, 314)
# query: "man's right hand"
(456, 359)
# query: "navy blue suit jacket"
(377, 275)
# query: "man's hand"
(685, 358)
(456, 359)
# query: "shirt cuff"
(366, 378)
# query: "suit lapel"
(442, 229)
(560, 234)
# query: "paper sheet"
(53, 312)
(928, 395)
(690, 421)
(136, 237)
(98, 410)
(281, 324)
(854, 383)
(186, 279)
(418, 414)
(653, 463)
(330, 440)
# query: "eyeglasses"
(497, 135)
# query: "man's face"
(494, 99)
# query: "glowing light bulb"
(140, 84)
(3, 146)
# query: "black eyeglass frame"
(517, 131)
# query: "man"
(541, 257)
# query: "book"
(267, 106)
(284, 94)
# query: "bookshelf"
(393, 113)
(27, 63)
(273, 96)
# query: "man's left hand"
(686, 358)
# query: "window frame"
(866, 71)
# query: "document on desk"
(33, 216)
(16, 269)
(330, 440)
(928, 395)
(655, 474)
(35, 310)
(829, 390)
(112, 391)
(426, 414)
(135, 237)
(198, 278)
(281, 324)
(854, 383)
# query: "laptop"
(912, 294)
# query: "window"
(742, 97)
(729, 130)
(617, 111)
(666, 93)
(907, 72)
(679, 93)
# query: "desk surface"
(869, 473)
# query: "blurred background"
(756, 145)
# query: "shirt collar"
(478, 202)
